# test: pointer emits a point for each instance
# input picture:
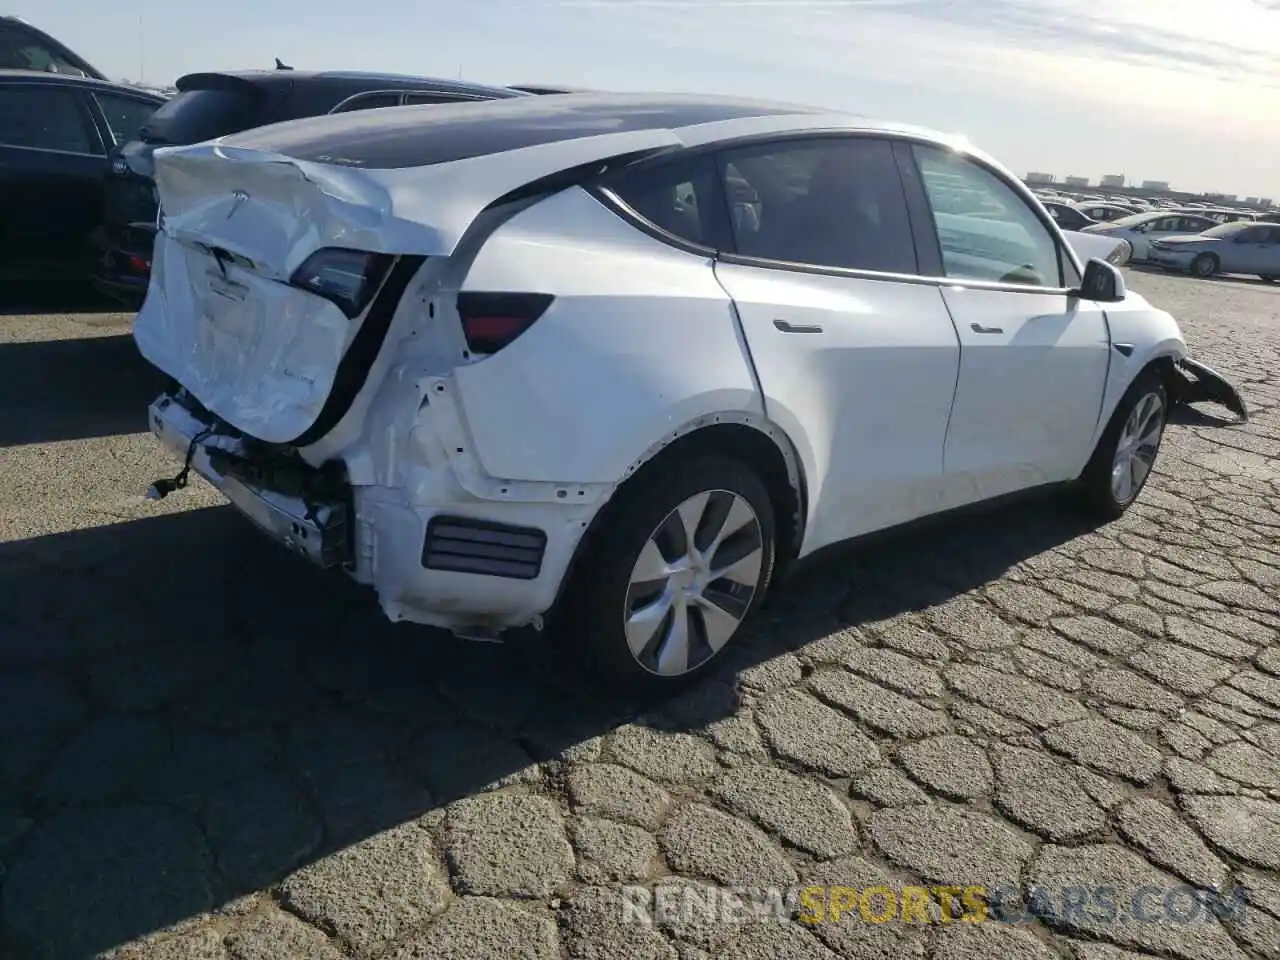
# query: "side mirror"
(1102, 282)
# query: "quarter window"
(677, 197)
(44, 118)
(985, 229)
(369, 101)
(125, 115)
(828, 202)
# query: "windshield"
(1226, 230)
(201, 115)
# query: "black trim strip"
(353, 369)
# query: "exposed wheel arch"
(743, 436)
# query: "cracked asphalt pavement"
(210, 750)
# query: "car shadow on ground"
(53, 390)
(191, 714)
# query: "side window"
(986, 230)
(829, 202)
(678, 197)
(1165, 225)
(427, 97)
(125, 115)
(368, 101)
(45, 118)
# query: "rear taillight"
(490, 321)
(347, 278)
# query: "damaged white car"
(625, 358)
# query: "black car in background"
(1067, 216)
(56, 131)
(210, 105)
(23, 47)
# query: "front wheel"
(1126, 452)
(676, 567)
(1205, 265)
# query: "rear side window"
(368, 101)
(45, 118)
(125, 115)
(678, 197)
(985, 229)
(198, 115)
(829, 202)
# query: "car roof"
(68, 80)
(421, 136)
(371, 80)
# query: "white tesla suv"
(624, 358)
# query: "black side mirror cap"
(1102, 282)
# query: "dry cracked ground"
(208, 750)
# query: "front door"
(1033, 360)
(856, 363)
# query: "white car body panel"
(1087, 246)
(894, 411)
(1032, 371)
(865, 400)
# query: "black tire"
(592, 610)
(1205, 265)
(1094, 486)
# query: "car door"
(1247, 251)
(856, 357)
(1033, 358)
(51, 169)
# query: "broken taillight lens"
(490, 321)
(347, 278)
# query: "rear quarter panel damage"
(640, 341)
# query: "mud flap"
(1196, 383)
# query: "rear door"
(51, 167)
(857, 358)
(1033, 359)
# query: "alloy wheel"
(693, 582)
(1136, 448)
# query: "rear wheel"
(1205, 265)
(1126, 453)
(676, 568)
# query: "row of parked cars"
(1200, 240)
(76, 172)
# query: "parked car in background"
(1105, 212)
(210, 105)
(1067, 215)
(1252, 248)
(467, 394)
(55, 133)
(1227, 215)
(1140, 228)
(23, 47)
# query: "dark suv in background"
(55, 133)
(210, 105)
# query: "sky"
(1186, 91)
